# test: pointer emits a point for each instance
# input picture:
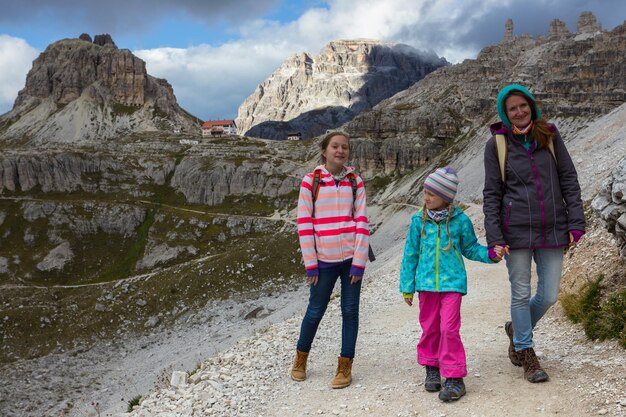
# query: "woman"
(334, 235)
(535, 209)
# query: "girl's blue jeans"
(318, 301)
(526, 310)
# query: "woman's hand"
(355, 279)
(500, 251)
(409, 301)
(312, 280)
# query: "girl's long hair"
(541, 130)
(425, 217)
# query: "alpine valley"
(119, 221)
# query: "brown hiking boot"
(343, 378)
(298, 371)
(513, 355)
(532, 368)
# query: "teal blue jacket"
(426, 266)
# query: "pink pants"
(440, 344)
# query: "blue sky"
(215, 53)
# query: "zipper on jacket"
(337, 186)
(437, 258)
(540, 196)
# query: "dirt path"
(586, 378)
(251, 379)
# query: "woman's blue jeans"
(318, 301)
(526, 310)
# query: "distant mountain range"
(309, 95)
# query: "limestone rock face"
(610, 204)
(211, 187)
(558, 30)
(311, 94)
(574, 75)
(78, 90)
(508, 30)
(57, 258)
(587, 23)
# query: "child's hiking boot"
(343, 378)
(453, 389)
(433, 379)
(298, 371)
(513, 355)
(532, 368)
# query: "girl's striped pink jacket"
(340, 229)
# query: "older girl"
(334, 235)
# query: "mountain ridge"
(78, 90)
(310, 94)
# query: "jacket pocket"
(459, 258)
(507, 217)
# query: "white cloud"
(16, 57)
(212, 82)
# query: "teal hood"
(502, 95)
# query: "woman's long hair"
(541, 130)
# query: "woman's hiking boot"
(343, 378)
(433, 379)
(298, 371)
(532, 368)
(513, 355)
(453, 389)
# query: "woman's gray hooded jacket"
(541, 201)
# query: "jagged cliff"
(610, 204)
(577, 75)
(311, 94)
(78, 90)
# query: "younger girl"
(334, 236)
(432, 265)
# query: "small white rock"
(179, 379)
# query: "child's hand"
(408, 298)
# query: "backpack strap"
(317, 179)
(502, 150)
(352, 179)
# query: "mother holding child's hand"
(532, 205)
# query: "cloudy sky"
(215, 52)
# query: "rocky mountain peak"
(103, 40)
(70, 66)
(587, 23)
(558, 30)
(311, 94)
(78, 89)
